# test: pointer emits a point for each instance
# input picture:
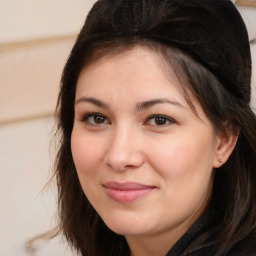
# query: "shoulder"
(246, 247)
(202, 239)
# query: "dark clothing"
(199, 240)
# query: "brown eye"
(95, 119)
(160, 120)
(99, 119)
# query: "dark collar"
(199, 236)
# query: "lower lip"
(127, 196)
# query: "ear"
(225, 144)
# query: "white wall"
(35, 39)
(22, 20)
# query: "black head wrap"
(210, 31)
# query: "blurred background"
(35, 40)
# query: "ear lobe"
(225, 144)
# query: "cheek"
(86, 153)
(183, 155)
(186, 172)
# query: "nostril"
(124, 161)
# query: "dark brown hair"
(179, 36)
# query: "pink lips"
(126, 192)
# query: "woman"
(157, 152)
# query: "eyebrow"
(139, 106)
(150, 103)
(92, 100)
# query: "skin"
(174, 154)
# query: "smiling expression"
(144, 159)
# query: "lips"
(127, 192)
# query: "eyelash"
(93, 115)
(166, 120)
(163, 117)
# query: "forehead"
(138, 64)
(137, 60)
(126, 54)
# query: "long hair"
(160, 25)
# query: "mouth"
(127, 192)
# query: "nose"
(124, 150)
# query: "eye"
(160, 120)
(95, 119)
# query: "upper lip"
(126, 185)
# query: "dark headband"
(210, 31)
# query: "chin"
(126, 226)
(131, 231)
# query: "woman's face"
(143, 158)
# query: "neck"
(157, 245)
